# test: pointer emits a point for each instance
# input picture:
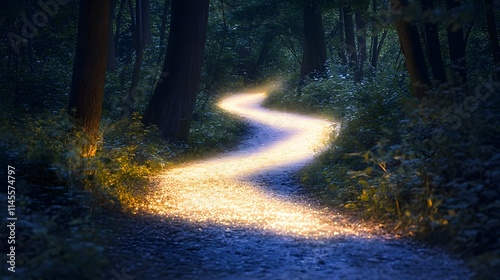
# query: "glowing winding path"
(236, 216)
(245, 188)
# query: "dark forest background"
(98, 96)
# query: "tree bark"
(136, 74)
(172, 104)
(133, 27)
(433, 45)
(146, 22)
(350, 37)
(263, 54)
(244, 61)
(89, 69)
(314, 55)
(213, 74)
(163, 28)
(111, 44)
(360, 25)
(31, 56)
(493, 36)
(375, 44)
(377, 48)
(456, 45)
(412, 49)
(342, 54)
(119, 23)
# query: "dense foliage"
(427, 168)
(63, 195)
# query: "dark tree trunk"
(111, 44)
(456, 45)
(375, 43)
(133, 27)
(373, 49)
(493, 35)
(146, 22)
(136, 74)
(314, 55)
(350, 37)
(172, 104)
(31, 56)
(213, 74)
(412, 49)
(433, 45)
(163, 28)
(377, 48)
(341, 50)
(244, 61)
(119, 23)
(360, 25)
(89, 70)
(263, 54)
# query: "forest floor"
(243, 215)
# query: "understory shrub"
(443, 175)
(368, 113)
(64, 193)
(56, 236)
(429, 168)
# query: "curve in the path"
(238, 216)
(233, 189)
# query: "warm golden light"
(245, 188)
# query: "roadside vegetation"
(423, 169)
(61, 193)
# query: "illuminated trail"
(250, 188)
(240, 216)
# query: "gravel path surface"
(240, 216)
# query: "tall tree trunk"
(412, 49)
(263, 54)
(146, 22)
(433, 45)
(377, 42)
(314, 55)
(213, 74)
(350, 37)
(119, 23)
(89, 69)
(493, 35)
(373, 48)
(172, 104)
(136, 74)
(341, 50)
(111, 44)
(31, 56)
(133, 27)
(456, 45)
(163, 28)
(374, 41)
(377, 48)
(361, 38)
(244, 61)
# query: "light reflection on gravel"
(239, 216)
(219, 191)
